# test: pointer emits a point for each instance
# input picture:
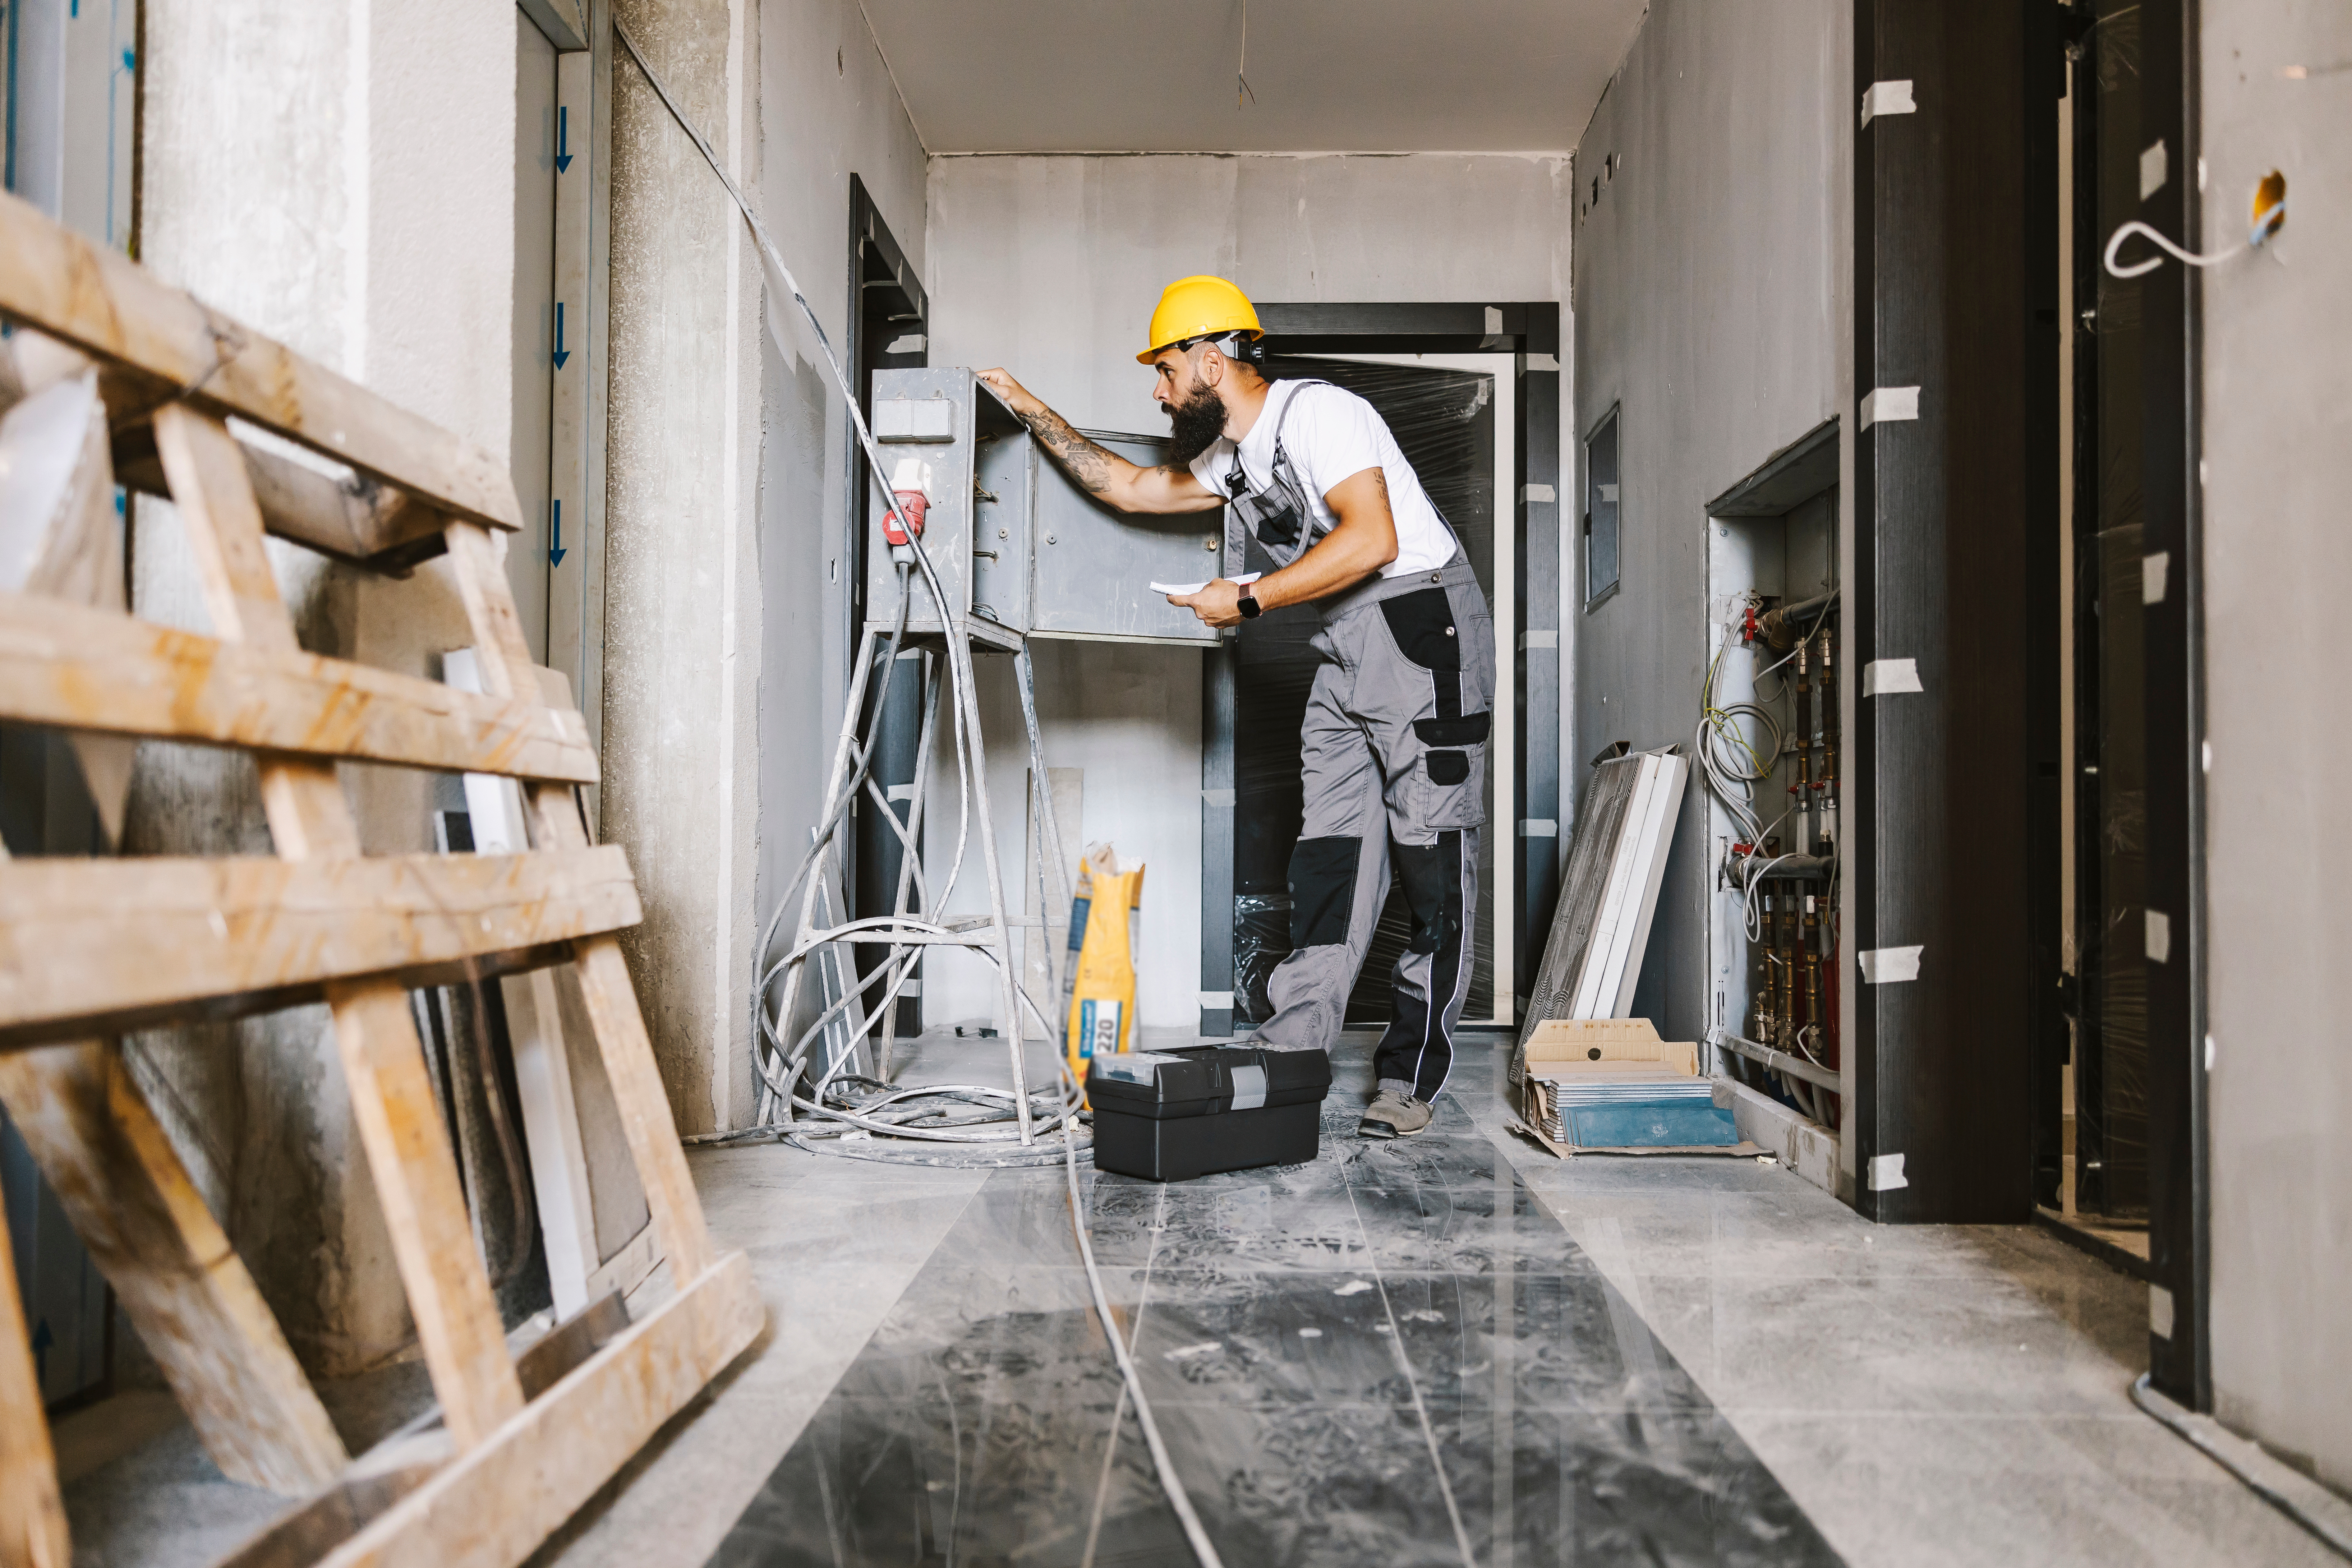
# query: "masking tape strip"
(1530, 494)
(1537, 640)
(1543, 362)
(2159, 936)
(1887, 405)
(1890, 966)
(2155, 570)
(1539, 828)
(1886, 1173)
(1223, 797)
(1887, 97)
(1885, 677)
(1217, 1001)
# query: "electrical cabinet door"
(1094, 566)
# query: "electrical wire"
(2135, 227)
(1063, 1108)
(1179, 1499)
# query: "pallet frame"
(149, 941)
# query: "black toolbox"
(1171, 1116)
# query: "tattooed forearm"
(1088, 464)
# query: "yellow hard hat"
(1199, 307)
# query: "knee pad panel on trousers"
(1429, 873)
(1322, 890)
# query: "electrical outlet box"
(1019, 549)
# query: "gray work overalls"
(1393, 758)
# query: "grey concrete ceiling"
(1156, 76)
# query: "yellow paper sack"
(1098, 977)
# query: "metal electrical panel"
(1019, 549)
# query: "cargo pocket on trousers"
(1453, 769)
(1453, 788)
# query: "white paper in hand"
(1196, 587)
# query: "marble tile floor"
(1454, 1349)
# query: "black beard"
(1195, 425)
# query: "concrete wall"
(828, 112)
(1050, 265)
(342, 177)
(725, 462)
(2278, 455)
(1712, 284)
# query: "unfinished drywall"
(723, 672)
(342, 178)
(2277, 451)
(1050, 265)
(1712, 280)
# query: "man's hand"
(1216, 605)
(1013, 395)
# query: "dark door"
(1444, 420)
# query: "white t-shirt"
(1332, 435)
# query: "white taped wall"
(2276, 468)
(1050, 265)
(1712, 275)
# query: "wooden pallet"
(89, 948)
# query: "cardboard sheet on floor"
(1611, 1086)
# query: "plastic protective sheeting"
(1443, 419)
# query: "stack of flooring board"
(1616, 859)
(1612, 1085)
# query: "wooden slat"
(53, 280)
(361, 519)
(32, 1515)
(495, 1505)
(80, 668)
(416, 1172)
(86, 945)
(184, 1288)
(645, 1117)
(392, 1100)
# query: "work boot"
(1393, 1115)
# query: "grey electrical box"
(1019, 549)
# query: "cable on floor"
(924, 1125)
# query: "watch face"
(1247, 605)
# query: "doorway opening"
(1472, 392)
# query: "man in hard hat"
(1394, 749)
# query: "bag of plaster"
(1099, 974)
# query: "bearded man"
(1393, 750)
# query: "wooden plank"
(82, 668)
(353, 518)
(107, 305)
(643, 1104)
(32, 1515)
(392, 1099)
(494, 1506)
(183, 1286)
(91, 945)
(645, 1117)
(416, 1175)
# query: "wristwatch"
(1247, 605)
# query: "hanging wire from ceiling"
(1241, 68)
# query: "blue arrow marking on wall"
(555, 550)
(562, 140)
(561, 354)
